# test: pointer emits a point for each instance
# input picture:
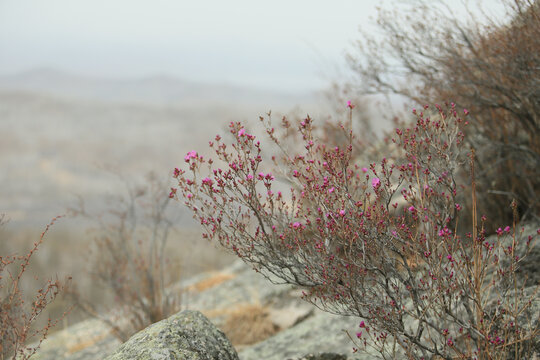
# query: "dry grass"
(249, 324)
(210, 282)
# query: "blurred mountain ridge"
(159, 89)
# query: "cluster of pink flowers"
(242, 133)
(263, 176)
(207, 181)
(190, 155)
(500, 231)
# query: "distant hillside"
(159, 90)
(59, 131)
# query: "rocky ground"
(279, 324)
(261, 320)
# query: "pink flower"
(331, 190)
(359, 334)
(207, 181)
(342, 212)
(466, 112)
(507, 229)
(411, 208)
(350, 105)
(190, 155)
(189, 196)
(376, 183)
(362, 324)
(241, 132)
(499, 231)
(296, 225)
(365, 170)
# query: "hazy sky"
(279, 44)
(282, 44)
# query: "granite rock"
(322, 333)
(187, 335)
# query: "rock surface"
(322, 333)
(324, 356)
(86, 340)
(215, 294)
(187, 335)
(238, 298)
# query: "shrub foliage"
(17, 318)
(379, 241)
(129, 260)
(488, 66)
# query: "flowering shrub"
(379, 241)
(17, 319)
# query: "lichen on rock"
(187, 335)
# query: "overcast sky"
(289, 45)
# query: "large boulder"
(188, 335)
